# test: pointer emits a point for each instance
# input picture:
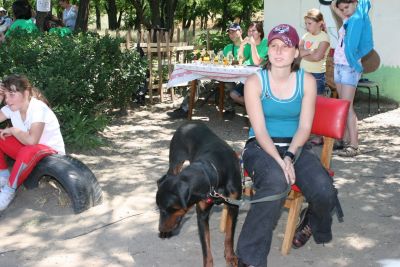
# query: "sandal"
(338, 145)
(349, 151)
(303, 231)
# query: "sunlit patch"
(389, 262)
(339, 182)
(392, 180)
(367, 208)
(359, 243)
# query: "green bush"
(84, 77)
(218, 40)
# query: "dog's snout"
(164, 235)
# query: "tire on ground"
(76, 178)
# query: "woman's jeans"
(268, 179)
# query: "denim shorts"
(347, 75)
(320, 79)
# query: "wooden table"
(191, 72)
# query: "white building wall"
(384, 14)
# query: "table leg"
(221, 87)
(192, 96)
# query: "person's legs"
(237, 94)
(10, 147)
(317, 187)
(268, 179)
(346, 79)
(26, 158)
(347, 92)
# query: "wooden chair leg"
(192, 96)
(294, 212)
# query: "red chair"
(330, 122)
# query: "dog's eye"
(172, 210)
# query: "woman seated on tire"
(35, 133)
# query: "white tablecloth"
(184, 73)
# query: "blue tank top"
(281, 116)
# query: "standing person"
(355, 41)
(5, 21)
(70, 14)
(35, 132)
(280, 102)
(314, 49)
(235, 35)
(253, 51)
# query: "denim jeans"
(268, 179)
(320, 79)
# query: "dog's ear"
(184, 194)
(159, 181)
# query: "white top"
(38, 111)
(340, 56)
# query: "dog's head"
(172, 199)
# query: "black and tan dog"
(213, 166)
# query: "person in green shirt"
(235, 34)
(22, 13)
(54, 25)
(254, 48)
(252, 51)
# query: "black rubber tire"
(76, 178)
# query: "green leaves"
(83, 76)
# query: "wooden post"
(150, 86)
(169, 62)
(128, 39)
(160, 78)
(178, 38)
(208, 40)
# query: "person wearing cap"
(252, 51)
(280, 102)
(235, 35)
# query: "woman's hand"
(5, 132)
(288, 169)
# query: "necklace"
(281, 90)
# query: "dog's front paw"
(231, 260)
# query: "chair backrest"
(330, 117)
(329, 121)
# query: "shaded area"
(40, 229)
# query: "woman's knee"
(324, 198)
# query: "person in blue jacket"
(355, 41)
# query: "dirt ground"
(39, 229)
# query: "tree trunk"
(98, 17)
(155, 13)
(40, 16)
(120, 19)
(112, 15)
(139, 20)
(225, 13)
(83, 15)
